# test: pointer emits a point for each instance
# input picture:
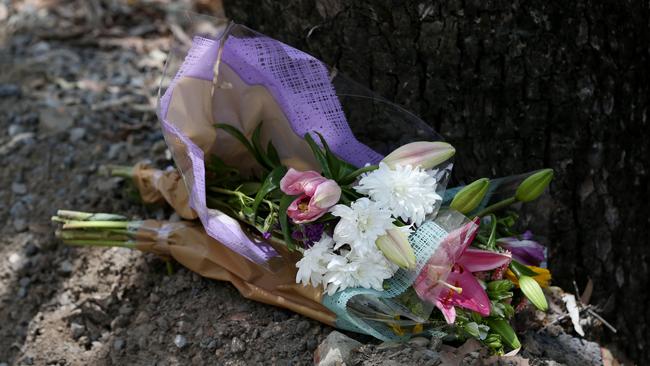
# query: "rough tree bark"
(517, 86)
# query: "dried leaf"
(574, 312)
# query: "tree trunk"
(517, 86)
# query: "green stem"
(497, 206)
(350, 177)
(95, 225)
(120, 171)
(89, 235)
(101, 243)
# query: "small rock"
(335, 350)
(52, 120)
(9, 90)
(31, 249)
(22, 292)
(237, 345)
(15, 129)
(24, 282)
(180, 341)
(18, 188)
(20, 225)
(77, 134)
(77, 330)
(119, 321)
(4, 364)
(302, 327)
(118, 344)
(114, 150)
(153, 298)
(66, 267)
(126, 309)
(419, 341)
(208, 342)
(435, 343)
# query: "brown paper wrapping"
(189, 244)
(157, 186)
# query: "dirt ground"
(76, 91)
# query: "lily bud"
(396, 247)
(424, 154)
(533, 292)
(470, 196)
(533, 186)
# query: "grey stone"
(118, 344)
(24, 282)
(302, 327)
(20, 225)
(15, 129)
(180, 341)
(335, 350)
(77, 134)
(77, 330)
(9, 90)
(66, 267)
(18, 188)
(53, 120)
(31, 249)
(237, 345)
(419, 341)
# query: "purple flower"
(524, 250)
(309, 233)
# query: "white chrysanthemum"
(407, 192)
(313, 264)
(361, 224)
(350, 270)
(340, 274)
(373, 268)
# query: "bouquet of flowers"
(296, 211)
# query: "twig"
(607, 324)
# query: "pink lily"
(447, 280)
(316, 194)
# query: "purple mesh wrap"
(301, 86)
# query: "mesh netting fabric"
(301, 86)
(424, 241)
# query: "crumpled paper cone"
(157, 186)
(189, 244)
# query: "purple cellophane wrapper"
(301, 86)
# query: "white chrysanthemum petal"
(407, 192)
(313, 265)
(361, 223)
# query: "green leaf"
(521, 270)
(533, 292)
(234, 132)
(499, 286)
(502, 328)
(285, 201)
(249, 188)
(271, 183)
(319, 155)
(273, 155)
(257, 145)
(335, 164)
(492, 240)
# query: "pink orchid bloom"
(316, 194)
(447, 280)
